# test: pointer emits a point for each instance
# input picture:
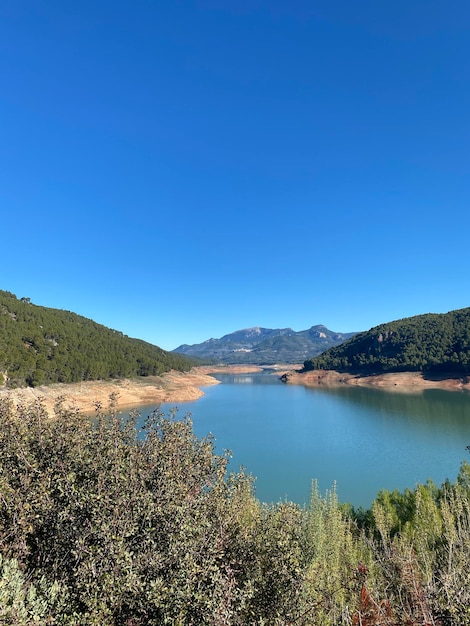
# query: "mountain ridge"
(431, 342)
(265, 346)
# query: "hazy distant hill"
(431, 342)
(265, 346)
(39, 345)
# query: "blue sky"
(178, 170)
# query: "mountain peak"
(266, 346)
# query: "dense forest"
(40, 345)
(102, 525)
(427, 343)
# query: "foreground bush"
(137, 530)
(100, 525)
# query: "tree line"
(101, 524)
(40, 345)
(427, 343)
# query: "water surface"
(363, 439)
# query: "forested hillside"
(428, 343)
(40, 345)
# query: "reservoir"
(361, 439)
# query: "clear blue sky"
(178, 170)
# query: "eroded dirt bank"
(405, 382)
(170, 387)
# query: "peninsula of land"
(406, 382)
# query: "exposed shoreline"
(178, 387)
(404, 382)
(172, 386)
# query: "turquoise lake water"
(362, 439)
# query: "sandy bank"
(405, 382)
(174, 387)
(170, 387)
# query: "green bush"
(139, 530)
(101, 524)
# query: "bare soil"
(398, 381)
(170, 387)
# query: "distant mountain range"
(266, 346)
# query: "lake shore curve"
(404, 382)
(171, 386)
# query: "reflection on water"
(364, 439)
(240, 380)
(433, 410)
(267, 377)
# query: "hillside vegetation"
(101, 525)
(427, 343)
(40, 345)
